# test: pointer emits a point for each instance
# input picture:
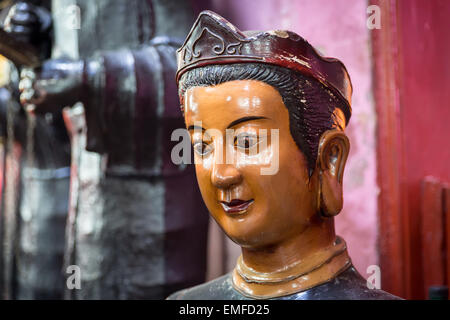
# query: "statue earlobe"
(334, 147)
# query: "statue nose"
(224, 176)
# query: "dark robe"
(348, 285)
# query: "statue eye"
(202, 148)
(245, 141)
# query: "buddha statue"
(266, 116)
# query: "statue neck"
(292, 267)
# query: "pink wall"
(338, 29)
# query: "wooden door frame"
(393, 227)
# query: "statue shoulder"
(349, 285)
(217, 289)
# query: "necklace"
(318, 268)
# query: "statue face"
(253, 209)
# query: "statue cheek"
(264, 158)
(203, 164)
(265, 155)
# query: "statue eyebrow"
(193, 127)
(244, 119)
(232, 124)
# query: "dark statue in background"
(129, 214)
(36, 174)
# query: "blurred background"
(396, 195)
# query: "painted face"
(234, 128)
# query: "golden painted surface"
(286, 227)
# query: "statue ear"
(334, 147)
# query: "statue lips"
(236, 206)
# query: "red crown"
(214, 40)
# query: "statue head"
(255, 99)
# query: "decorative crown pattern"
(214, 40)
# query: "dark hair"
(310, 104)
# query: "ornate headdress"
(214, 40)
